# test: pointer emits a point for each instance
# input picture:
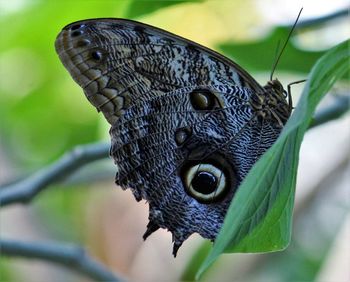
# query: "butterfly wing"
(184, 132)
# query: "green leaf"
(259, 218)
(138, 8)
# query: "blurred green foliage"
(259, 55)
(6, 269)
(42, 113)
(138, 8)
(66, 208)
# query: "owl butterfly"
(187, 124)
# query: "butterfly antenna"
(285, 44)
(276, 52)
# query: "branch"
(70, 256)
(340, 107)
(323, 19)
(25, 190)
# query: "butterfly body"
(187, 124)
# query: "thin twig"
(323, 19)
(25, 190)
(70, 256)
(332, 112)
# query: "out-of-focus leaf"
(196, 261)
(62, 208)
(138, 8)
(259, 217)
(40, 120)
(6, 269)
(260, 55)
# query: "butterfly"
(187, 123)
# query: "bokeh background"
(43, 113)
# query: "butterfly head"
(273, 104)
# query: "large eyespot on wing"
(121, 63)
(208, 182)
